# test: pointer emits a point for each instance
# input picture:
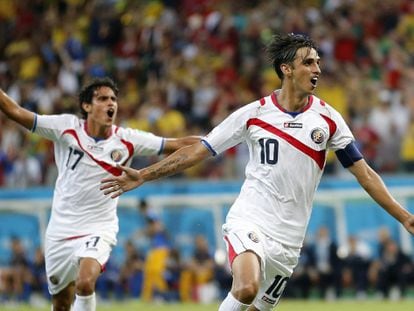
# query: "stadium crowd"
(182, 66)
(159, 273)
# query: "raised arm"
(375, 187)
(173, 144)
(16, 113)
(174, 163)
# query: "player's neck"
(290, 101)
(97, 131)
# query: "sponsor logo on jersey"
(318, 135)
(116, 155)
(53, 279)
(294, 125)
(269, 300)
(253, 236)
(95, 148)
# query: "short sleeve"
(231, 131)
(52, 126)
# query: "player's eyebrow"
(105, 97)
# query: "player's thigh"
(246, 269)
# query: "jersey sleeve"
(52, 126)
(145, 143)
(342, 136)
(230, 132)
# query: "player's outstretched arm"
(173, 144)
(375, 187)
(18, 114)
(174, 163)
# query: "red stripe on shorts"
(232, 253)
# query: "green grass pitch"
(284, 305)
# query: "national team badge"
(116, 155)
(253, 236)
(318, 135)
(54, 280)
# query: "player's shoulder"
(321, 106)
(127, 132)
(64, 120)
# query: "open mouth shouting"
(314, 81)
(110, 112)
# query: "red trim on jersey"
(262, 101)
(106, 166)
(322, 102)
(130, 148)
(276, 103)
(75, 237)
(317, 156)
(331, 124)
(231, 252)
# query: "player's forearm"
(11, 109)
(376, 188)
(175, 163)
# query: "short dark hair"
(87, 92)
(282, 49)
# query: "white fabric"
(285, 165)
(62, 258)
(79, 207)
(232, 304)
(277, 260)
(85, 303)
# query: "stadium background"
(182, 66)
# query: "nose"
(317, 68)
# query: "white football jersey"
(287, 156)
(79, 207)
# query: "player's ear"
(286, 69)
(86, 107)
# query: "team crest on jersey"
(253, 236)
(116, 155)
(54, 280)
(318, 135)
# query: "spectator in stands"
(20, 275)
(38, 280)
(394, 271)
(288, 133)
(199, 272)
(172, 275)
(156, 259)
(131, 271)
(356, 266)
(83, 225)
(328, 265)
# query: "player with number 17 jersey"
(79, 207)
(287, 155)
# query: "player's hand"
(117, 185)
(409, 224)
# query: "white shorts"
(277, 260)
(62, 258)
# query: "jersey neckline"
(292, 113)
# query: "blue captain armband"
(349, 155)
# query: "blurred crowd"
(159, 272)
(183, 65)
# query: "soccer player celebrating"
(83, 225)
(288, 134)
